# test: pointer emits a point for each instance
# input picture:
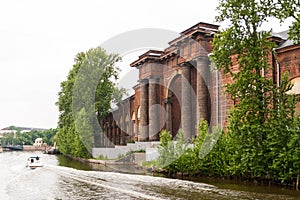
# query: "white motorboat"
(34, 162)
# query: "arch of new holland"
(179, 86)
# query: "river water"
(62, 178)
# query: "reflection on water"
(68, 162)
(62, 178)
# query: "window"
(139, 113)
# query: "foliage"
(172, 155)
(284, 9)
(200, 156)
(89, 89)
(28, 138)
(262, 120)
(166, 151)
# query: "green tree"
(89, 89)
(261, 106)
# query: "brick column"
(186, 107)
(169, 115)
(102, 130)
(105, 135)
(144, 120)
(118, 136)
(114, 133)
(108, 139)
(135, 130)
(122, 125)
(97, 137)
(153, 110)
(202, 88)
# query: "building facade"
(180, 86)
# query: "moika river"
(62, 178)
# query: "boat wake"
(129, 185)
(57, 182)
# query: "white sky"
(40, 38)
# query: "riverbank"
(257, 181)
(222, 182)
(34, 148)
(136, 161)
(131, 159)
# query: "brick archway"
(173, 105)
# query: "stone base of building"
(118, 151)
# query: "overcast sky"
(40, 38)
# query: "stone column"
(153, 109)
(202, 88)
(186, 107)
(144, 119)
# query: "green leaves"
(294, 33)
(89, 89)
(262, 128)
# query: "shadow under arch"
(173, 103)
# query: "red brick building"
(179, 86)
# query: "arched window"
(133, 117)
(296, 86)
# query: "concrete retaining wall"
(117, 151)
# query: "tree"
(261, 106)
(66, 130)
(89, 89)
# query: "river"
(62, 178)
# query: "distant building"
(38, 142)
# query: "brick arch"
(172, 79)
(296, 86)
(173, 96)
(296, 90)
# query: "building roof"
(199, 28)
(202, 28)
(285, 42)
